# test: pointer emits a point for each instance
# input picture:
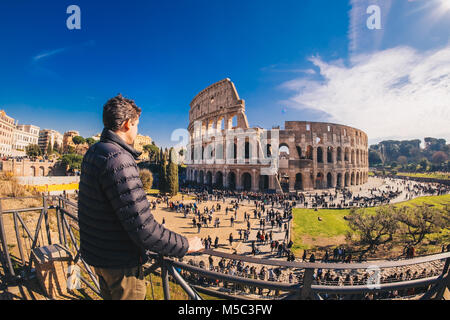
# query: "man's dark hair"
(117, 110)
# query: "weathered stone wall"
(30, 168)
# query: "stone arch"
(42, 171)
(209, 178)
(347, 179)
(263, 182)
(247, 181)
(309, 152)
(219, 179)
(202, 177)
(284, 181)
(319, 181)
(353, 157)
(298, 181)
(284, 145)
(319, 155)
(330, 154)
(339, 154)
(299, 152)
(346, 154)
(33, 171)
(352, 178)
(329, 180)
(339, 182)
(231, 180)
(195, 175)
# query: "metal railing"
(65, 212)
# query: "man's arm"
(123, 187)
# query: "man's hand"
(195, 244)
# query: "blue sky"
(290, 60)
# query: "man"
(116, 225)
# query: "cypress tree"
(162, 173)
(49, 148)
(172, 174)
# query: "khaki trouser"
(122, 284)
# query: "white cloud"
(398, 92)
(48, 54)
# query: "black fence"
(307, 286)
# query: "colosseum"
(224, 152)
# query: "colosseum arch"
(319, 183)
(329, 180)
(209, 180)
(231, 179)
(309, 152)
(347, 154)
(330, 155)
(347, 179)
(246, 181)
(298, 181)
(339, 154)
(219, 179)
(319, 155)
(263, 182)
(339, 181)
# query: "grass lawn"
(435, 175)
(310, 233)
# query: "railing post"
(307, 282)
(445, 280)
(165, 279)
(47, 226)
(19, 238)
(5, 245)
(58, 222)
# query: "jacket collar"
(110, 136)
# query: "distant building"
(7, 128)
(48, 135)
(97, 137)
(139, 144)
(67, 140)
(24, 135)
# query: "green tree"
(374, 158)
(373, 229)
(33, 150)
(90, 141)
(152, 150)
(172, 174)
(162, 173)
(418, 222)
(78, 140)
(73, 161)
(70, 150)
(439, 157)
(49, 148)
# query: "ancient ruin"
(225, 152)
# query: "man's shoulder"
(105, 151)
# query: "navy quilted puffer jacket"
(116, 225)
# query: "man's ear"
(126, 125)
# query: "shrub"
(146, 178)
